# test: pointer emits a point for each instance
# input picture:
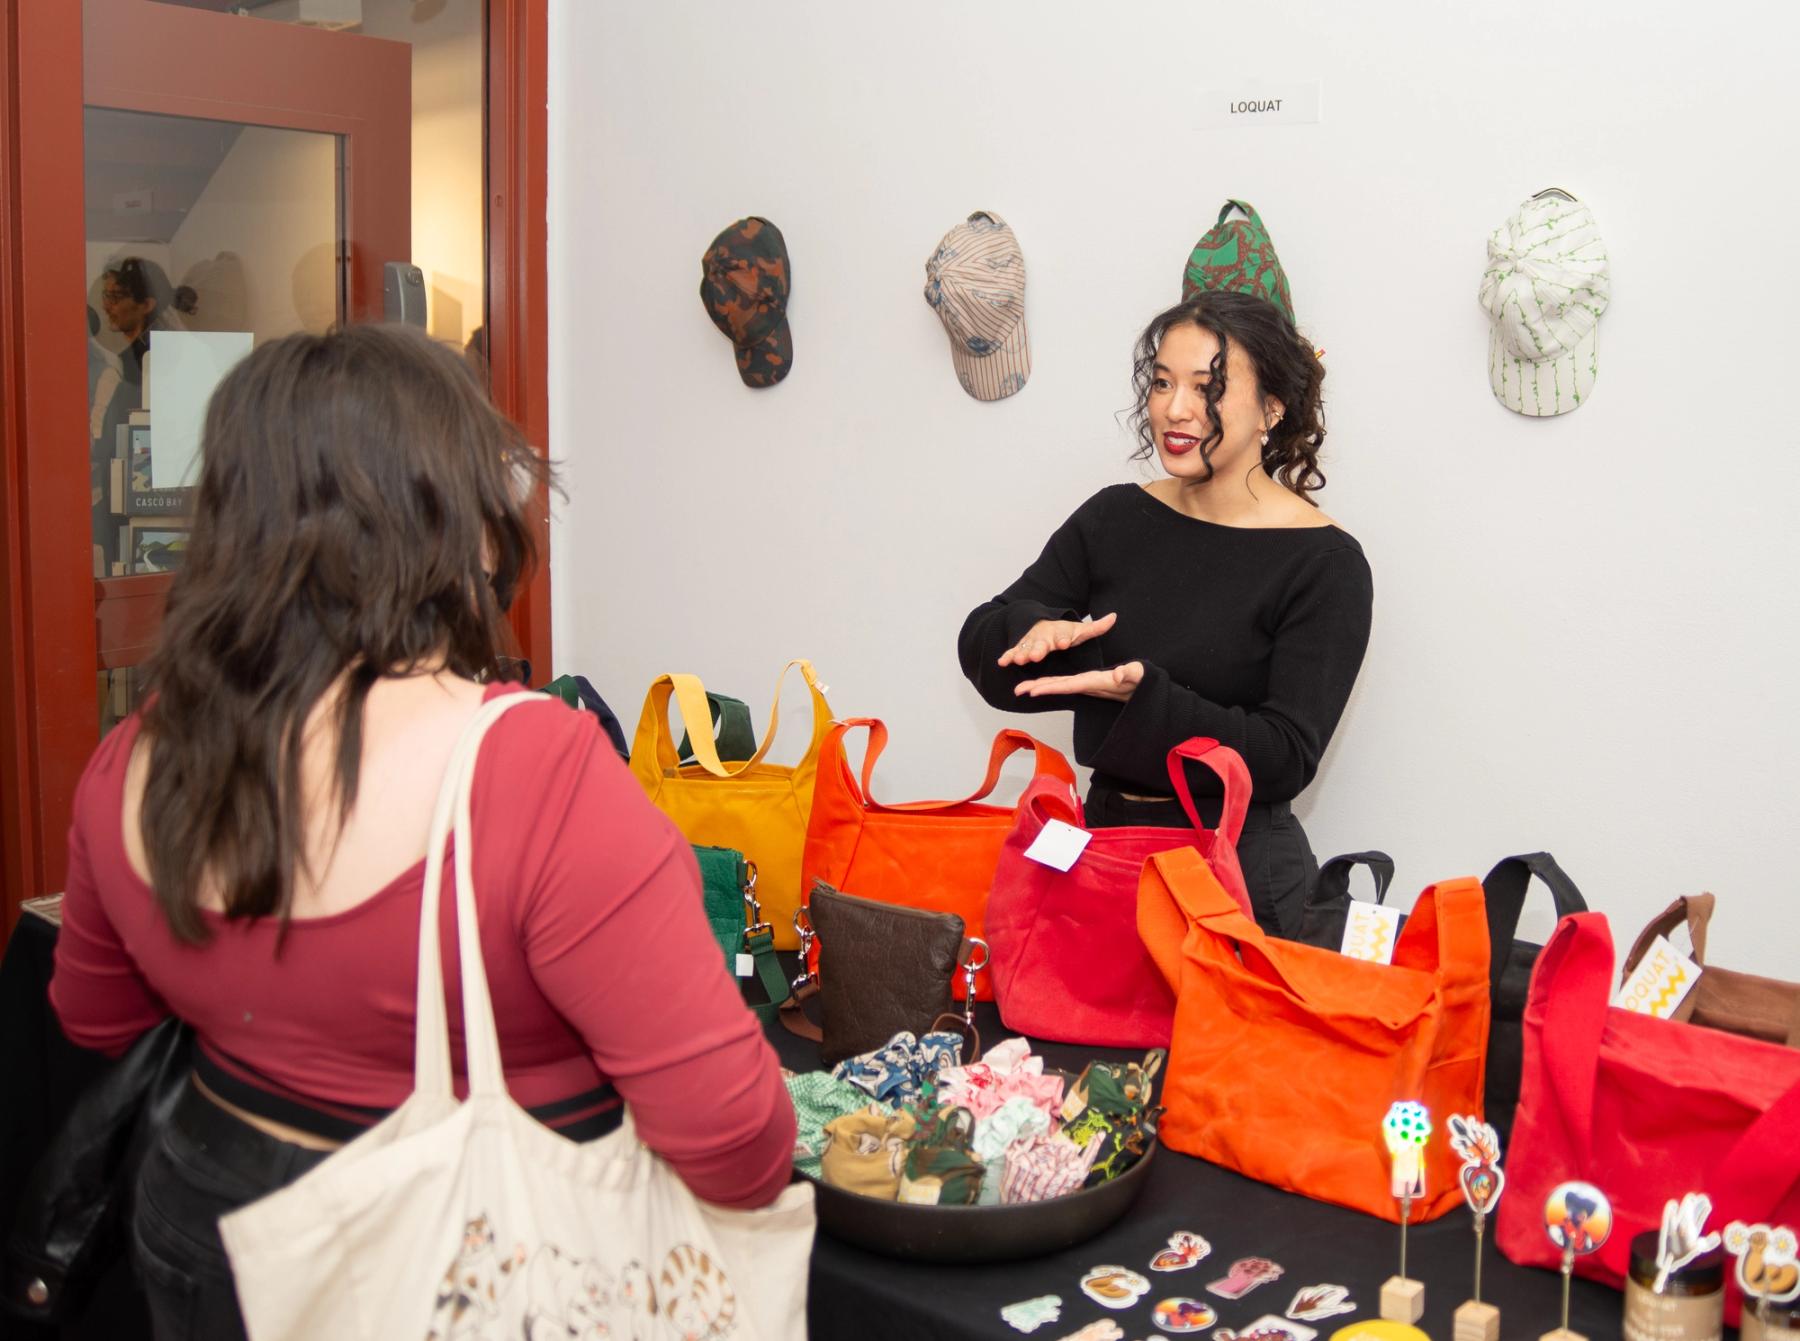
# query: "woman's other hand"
(1055, 635)
(1117, 683)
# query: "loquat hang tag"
(1370, 932)
(1660, 982)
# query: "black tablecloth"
(858, 1296)
(862, 1297)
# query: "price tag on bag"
(1660, 982)
(1059, 845)
(1370, 931)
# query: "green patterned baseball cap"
(1239, 256)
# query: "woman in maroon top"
(248, 852)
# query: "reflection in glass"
(204, 238)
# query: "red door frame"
(49, 623)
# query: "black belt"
(580, 1117)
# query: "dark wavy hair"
(362, 511)
(1286, 368)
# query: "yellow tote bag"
(759, 809)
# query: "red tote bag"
(1067, 961)
(935, 855)
(1645, 1110)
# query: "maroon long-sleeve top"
(599, 959)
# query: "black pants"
(205, 1163)
(1279, 867)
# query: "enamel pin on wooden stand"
(1405, 1130)
(1578, 1218)
(1482, 1180)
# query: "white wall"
(1585, 629)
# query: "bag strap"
(431, 1036)
(733, 735)
(1504, 889)
(690, 701)
(1048, 762)
(1048, 798)
(1229, 765)
(1694, 910)
(1334, 876)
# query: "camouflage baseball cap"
(744, 279)
(1238, 256)
(975, 282)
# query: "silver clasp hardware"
(751, 905)
(970, 967)
(803, 925)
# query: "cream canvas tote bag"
(471, 1220)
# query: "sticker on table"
(1180, 1315)
(1313, 1302)
(1766, 1264)
(1245, 1275)
(1030, 1314)
(1104, 1330)
(1266, 1328)
(1577, 1217)
(1184, 1250)
(1114, 1286)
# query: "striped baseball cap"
(1239, 255)
(1546, 284)
(975, 282)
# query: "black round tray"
(977, 1233)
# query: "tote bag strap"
(431, 1039)
(1334, 877)
(1229, 765)
(1203, 903)
(733, 735)
(1693, 911)
(1046, 798)
(696, 718)
(1048, 762)
(1505, 888)
(1446, 935)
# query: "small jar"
(1690, 1305)
(1775, 1322)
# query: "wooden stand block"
(1562, 1334)
(1403, 1299)
(1477, 1322)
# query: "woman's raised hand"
(1054, 635)
(1117, 683)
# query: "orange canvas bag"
(756, 808)
(1286, 1057)
(935, 855)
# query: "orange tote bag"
(936, 855)
(1286, 1057)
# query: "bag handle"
(1576, 971)
(696, 717)
(1505, 888)
(1229, 765)
(1048, 798)
(431, 1034)
(1694, 910)
(1048, 762)
(1334, 876)
(733, 735)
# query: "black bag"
(1509, 972)
(75, 1209)
(1322, 920)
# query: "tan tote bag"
(471, 1220)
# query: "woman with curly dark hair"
(1216, 601)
